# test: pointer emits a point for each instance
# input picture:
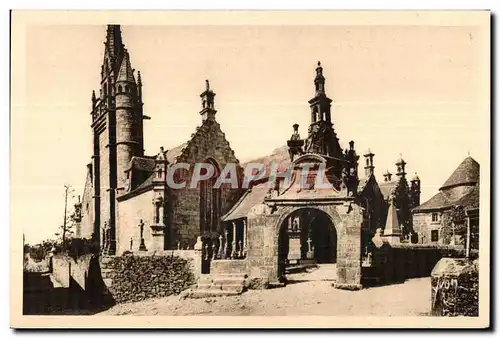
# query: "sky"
(416, 91)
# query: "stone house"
(442, 219)
(127, 204)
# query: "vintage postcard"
(277, 169)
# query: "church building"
(127, 204)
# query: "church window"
(119, 89)
(210, 203)
(160, 172)
(434, 235)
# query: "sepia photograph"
(250, 169)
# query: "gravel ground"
(302, 297)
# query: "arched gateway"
(306, 236)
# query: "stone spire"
(139, 86)
(94, 100)
(207, 102)
(392, 231)
(114, 44)
(126, 73)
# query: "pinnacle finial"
(139, 80)
(207, 85)
(319, 63)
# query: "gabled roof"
(467, 173)
(174, 152)
(250, 198)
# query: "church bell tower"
(117, 128)
(322, 138)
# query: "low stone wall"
(192, 256)
(138, 277)
(396, 263)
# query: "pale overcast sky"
(415, 90)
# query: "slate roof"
(447, 198)
(249, 199)
(387, 188)
(467, 173)
(142, 163)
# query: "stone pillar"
(198, 251)
(245, 240)
(349, 252)
(234, 252)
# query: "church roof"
(467, 173)
(249, 199)
(174, 152)
(445, 199)
(387, 188)
(279, 155)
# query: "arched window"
(210, 202)
(119, 89)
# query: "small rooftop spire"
(319, 80)
(207, 102)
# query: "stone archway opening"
(307, 238)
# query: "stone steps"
(217, 286)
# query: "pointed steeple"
(114, 44)
(392, 231)
(126, 73)
(207, 102)
(139, 86)
(94, 100)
